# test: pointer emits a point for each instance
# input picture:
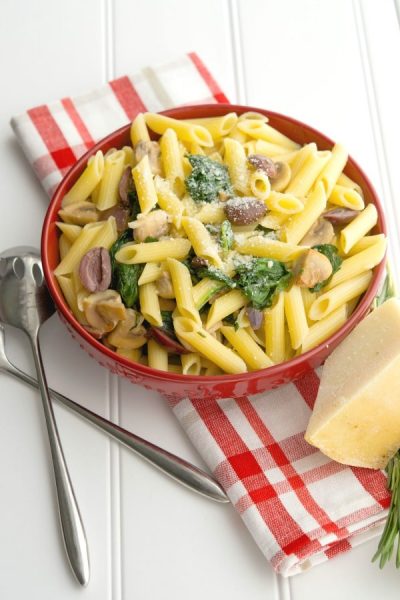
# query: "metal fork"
(179, 469)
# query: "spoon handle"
(179, 469)
(71, 521)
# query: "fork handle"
(71, 520)
(179, 469)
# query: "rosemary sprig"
(391, 532)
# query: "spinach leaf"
(231, 320)
(168, 324)
(125, 277)
(226, 236)
(388, 289)
(260, 279)
(207, 179)
(134, 204)
(331, 252)
(217, 274)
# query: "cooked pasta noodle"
(184, 251)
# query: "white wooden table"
(333, 64)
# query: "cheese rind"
(356, 418)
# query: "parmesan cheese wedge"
(356, 418)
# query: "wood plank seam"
(115, 525)
(237, 52)
(377, 130)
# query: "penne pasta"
(274, 330)
(186, 132)
(201, 240)
(346, 197)
(191, 363)
(172, 161)
(103, 233)
(70, 231)
(208, 271)
(151, 272)
(358, 263)
(354, 231)
(329, 301)
(258, 129)
(217, 126)
(145, 188)
(236, 160)
(149, 304)
(139, 131)
(132, 253)
(157, 356)
(204, 290)
(295, 316)
(321, 330)
(302, 182)
(225, 305)
(260, 185)
(108, 191)
(84, 186)
(267, 248)
(247, 348)
(333, 168)
(297, 226)
(285, 203)
(182, 284)
(191, 333)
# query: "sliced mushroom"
(125, 186)
(263, 163)
(321, 232)
(103, 310)
(121, 214)
(282, 178)
(80, 213)
(340, 216)
(244, 210)
(312, 268)
(153, 224)
(152, 149)
(164, 286)
(198, 262)
(129, 333)
(95, 269)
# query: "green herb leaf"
(214, 273)
(207, 179)
(150, 239)
(391, 532)
(331, 252)
(388, 289)
(168, 324)
(125, 277)
(260, 279)
(134, 204)
(226, 236)
(231, 320)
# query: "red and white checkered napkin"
(300, 507)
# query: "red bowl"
(177, 386)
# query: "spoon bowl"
(24, 300)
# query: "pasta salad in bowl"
(214, 250)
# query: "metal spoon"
(179, 469)
(25, 303)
